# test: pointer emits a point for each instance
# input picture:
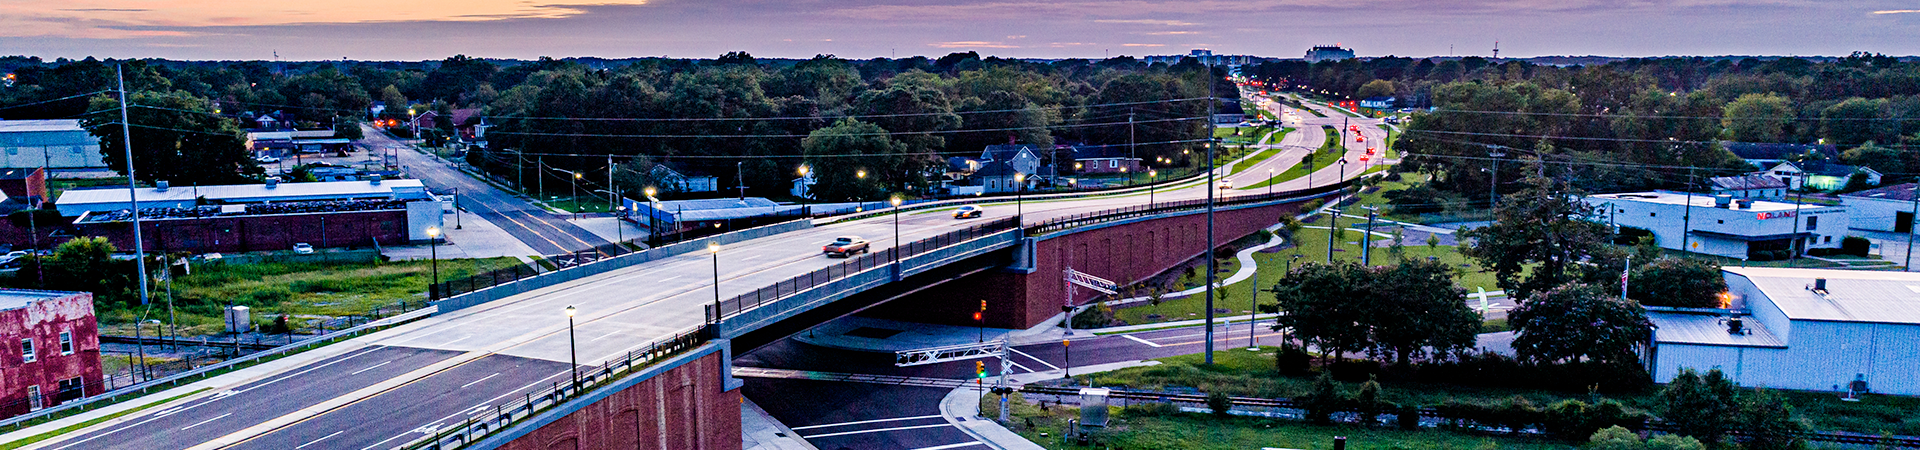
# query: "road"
(471, 358)
(546, 232)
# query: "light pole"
(433, 246)
(573, 350)
(1493, 186)
(619, 222)
(714, 248)
(895, 251)
(653, 206)
(803, 191)
(1019, 195)
(1124, 173)
(1151, 175)
(456, 208)
(1270, 182)
(576, 195)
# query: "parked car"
(264, 159)
(968, 211)
(845, 246)
(211, 257)
(303, 248)
(13, 258)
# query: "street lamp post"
(1151, 175)
(1019, 195)
(576, 195)
(456, 208)
(573, 350)
(1270, 182)
(619, 222)
(714, 248)
(433, 246)
(895, 251)
(654, 208)
(803, 191)
(1129, 175)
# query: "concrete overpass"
(495, 369)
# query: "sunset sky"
(435, 29)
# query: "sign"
(1775, 215)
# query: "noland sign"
(1775, 215)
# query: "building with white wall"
(1884, 209)
(1724, 226)
(1803, 329)
(54, 144)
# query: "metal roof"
(32, 126)
(1852, 295)
(246, 193)
(1900, 192)
(1708, 329)
(1707, 201)
(11, 299)
(1749, 182)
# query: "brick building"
(51, 352)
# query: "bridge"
(634, 351)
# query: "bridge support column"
(688, 402)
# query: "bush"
(1517, 414)
(1855, 245)
(1322, 401)
(1151, 409)
(1614, 438)
(1354, 370)
(1099, 316)
(1291, 360)
(1407, 417)
(1311, 205)
(1219, 403)
(1675, 442)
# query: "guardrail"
(856, 265)
(485, 421)
(109, 398)
(998, 198)
(1432, 413)
(1121, 214)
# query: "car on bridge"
(845, 246)
(968, 211)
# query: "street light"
(654, 205)
(803, 191)
(895, 251)
(1269, 181)
(576, 195)
(573, 350)
(433, 246)
(1019, 193)
(714, 248)
(1123, 172)
(456, 208)
(1151, 175)
(620, 228)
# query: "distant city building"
(1204, 56)
(54, 144)
(1845, 331)
(52, 351)
(1722, 225)
(1328, 53)
(253, 217)
(286, 142)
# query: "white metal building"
(1724, 226)
(55, 144)
(1884, 209)
(1795, 334)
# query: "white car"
(1226, 184)
(267, 159)
(303, 248)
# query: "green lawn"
(1328, 153)
(582, 204)
(55, 186)
(1312, 246)
(1264, 154)
(299, 289)
(1142, 428)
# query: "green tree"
(1855, 121)
(1579, 322)
(1882, 159)
(185, 148)
(1327, 305)
(1418, 309)
(1768, 422)
(1376, 88)
(1703, 407)
(396, 103)
(1758, 117)
(841, 153)
(1615, 438)
(1674, 442)
(1682, 282)
(1541, 231)
(86, 264)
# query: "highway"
(390, 387)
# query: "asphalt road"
(522, 341)
(546, 232)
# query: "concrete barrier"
(789, 306)
(549, 279)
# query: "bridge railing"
(1131, 212)
(485, 421)
(856, 265)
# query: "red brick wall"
(685, 408)
(43, 321)
(1122, 253)
(32, 185)
(255, 233)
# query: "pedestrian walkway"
(760, 431)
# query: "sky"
(860, 29)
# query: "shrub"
(1855, 245)
(1366, 401)
(1219, 403)
(1311, 205)
(1322, 401)
(1291, 360)
(1151, 409)
(1100, 315)
(1614, 438)
(1675, 442)
(1518, 414)
(1407, 417)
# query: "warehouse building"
(1885, 209)
(251, 217)
(1805, 329)
(1721, 225)
(55, 144)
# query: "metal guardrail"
(999, 198)
(1121, 214)
(486, 421)
(109, 398)
(1429, 412)
(856, 265)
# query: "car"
(1226, 184)
(303, 248)
(845, 246)
(210, 257)
(968, 211)
(263, 159)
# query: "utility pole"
(1333, 227)
(540, 176)
(1133, 144)
(1212, 263)
(1366, 238)
(1493, 187)
(740, 179)
(611, 190)
(1795, 261)
(133, 192)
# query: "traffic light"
(980, 367)
(977, 317)
(983, 305)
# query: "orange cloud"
(120, 18)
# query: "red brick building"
(50, 352)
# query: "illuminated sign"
(1775, 215)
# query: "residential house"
(1101, 159)
(1821, 175)
(998, 177)
(1750, 186)
(1022, 158)
(1766, 155)
(683, 180)
(1888, 208)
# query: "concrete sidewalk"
(468, 236)
(760, 431)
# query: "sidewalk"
(612, 229)
(760, 431)
(467, 236)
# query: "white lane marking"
(877, 430)
(948, 446)
(204, 422)
(488, 377)
(842, 424)
(375, 366)
(608, 335)
(429, 429)
(322, 438)
(1042, 361)
(1143, 341)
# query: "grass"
(1141, 429)
(55, 186)
(1328, 153)
(1264, 154)
(1311, 245)
(91, 422)
(297, 289)
(582, 204)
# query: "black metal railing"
(1131, 212)
(856, 265)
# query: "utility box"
(1093, 407)
(239, 319)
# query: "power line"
(887, 133)
(802, 156)
(855, 116)
(42, 102)
(1636, 116)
